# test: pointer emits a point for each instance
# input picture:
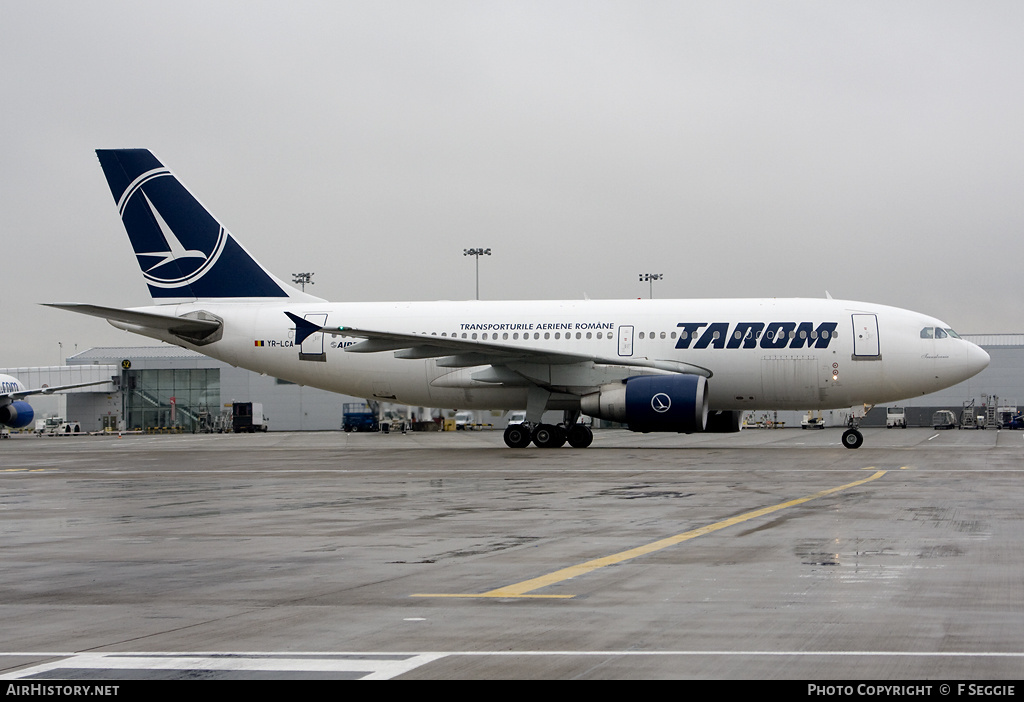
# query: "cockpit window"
(938, 333)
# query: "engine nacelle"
(724, 422)
(17, 414)
(676, 403)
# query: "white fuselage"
(760, 353)
(9, 384)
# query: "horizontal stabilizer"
(191, 328)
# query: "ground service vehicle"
(357, 416)
(944, 419)
(895, 418)
(248, 417)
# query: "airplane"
(654, 365)
(15, 413)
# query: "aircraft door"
(626, 340)
(865, 336)
(312, 348)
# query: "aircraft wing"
(21, 394)
(454, 352)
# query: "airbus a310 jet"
(654, 365)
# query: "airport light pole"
(477, 253)
(302, 279)
(649, 278)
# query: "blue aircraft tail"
(183, 251)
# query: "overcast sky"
(743, 149)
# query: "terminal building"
(159, 388)
(163, 387)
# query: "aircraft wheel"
(852, 439)
(580, 436)
(517, 435)
(548, 436)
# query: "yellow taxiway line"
(526, 587)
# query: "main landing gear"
(549, 435)
(518, 435)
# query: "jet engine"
(724, 422)
(17, 414)
(645, 403)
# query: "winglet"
(303, 328)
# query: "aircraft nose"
(977, 358)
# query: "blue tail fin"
(184, 252)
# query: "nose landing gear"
(852, 438)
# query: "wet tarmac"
(768, 554)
